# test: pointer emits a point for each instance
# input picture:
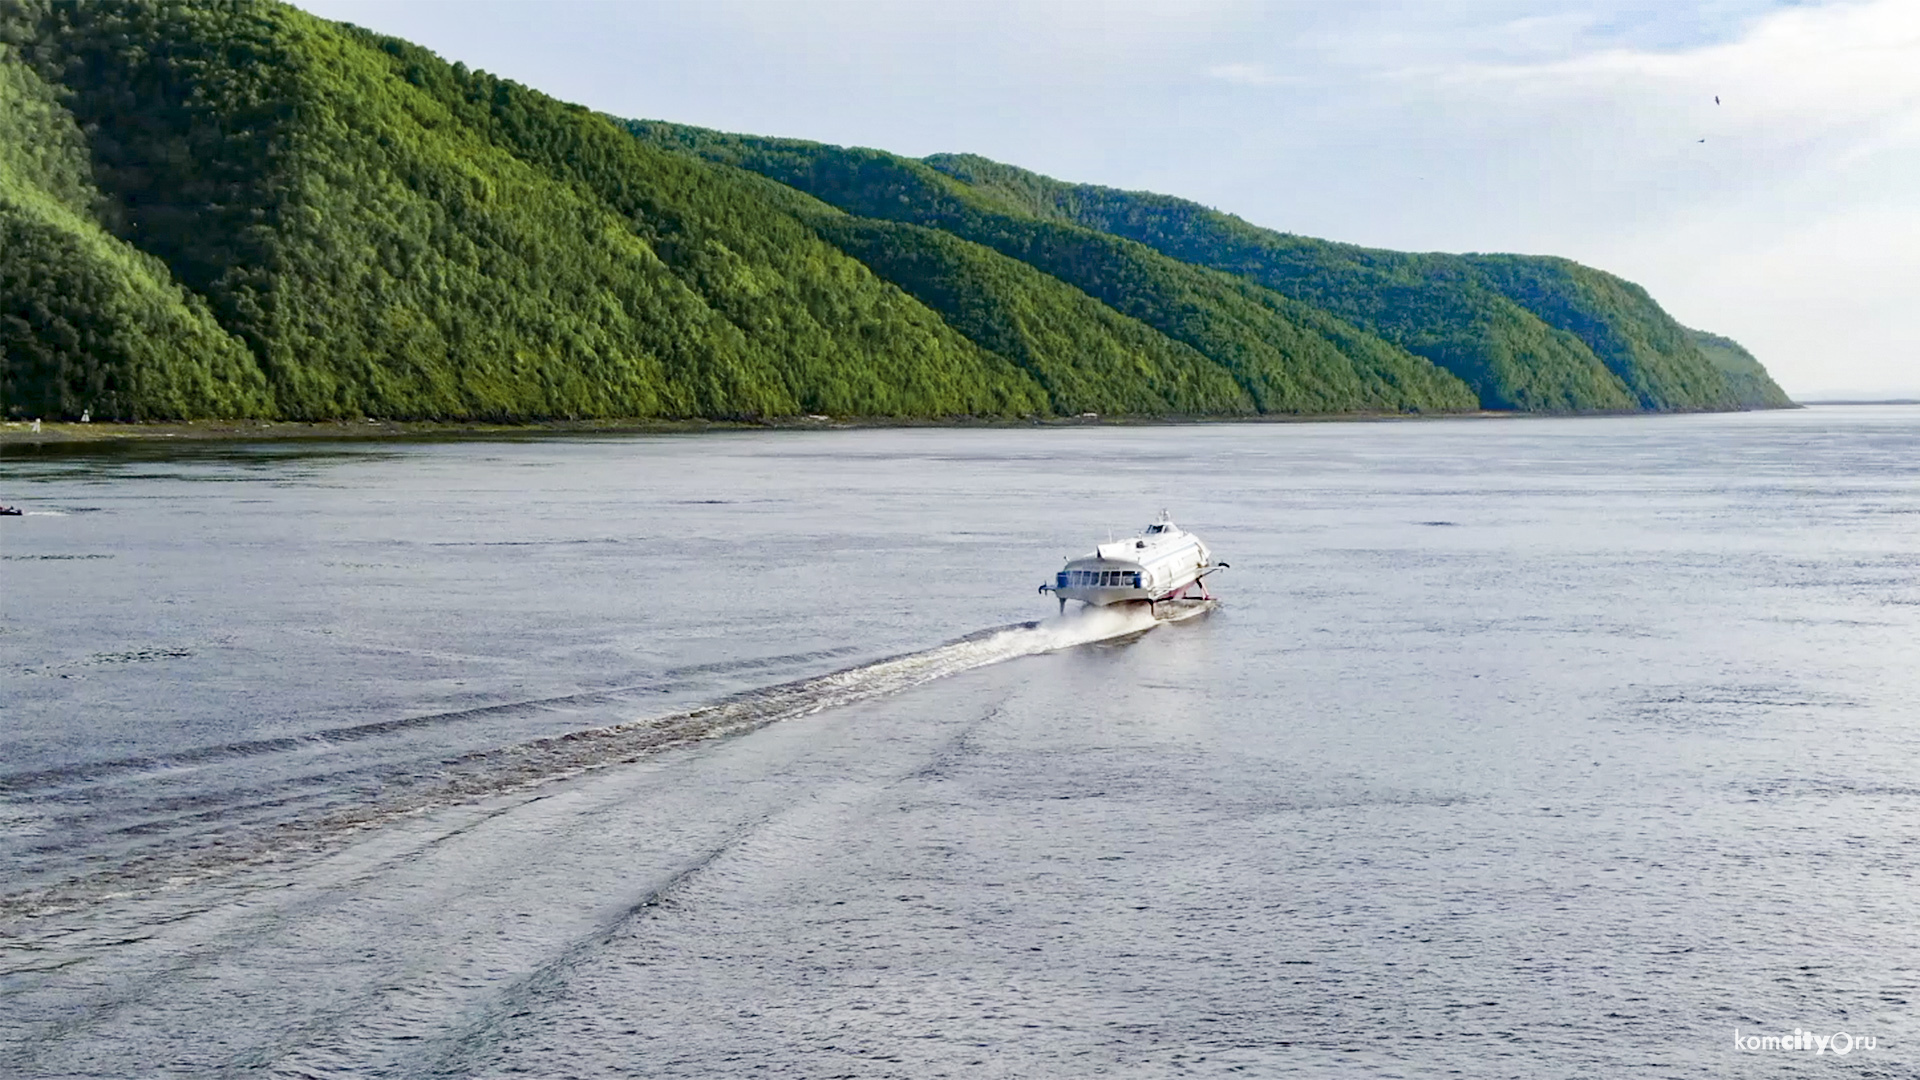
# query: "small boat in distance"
(1160, 564)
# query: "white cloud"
(1248, 75)
(1793, 226)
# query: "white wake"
(516, 767)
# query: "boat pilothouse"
(1162, 563)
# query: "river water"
(1529, 748)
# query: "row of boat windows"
(1096, 579)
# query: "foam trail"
(543, 759)
(516, 767)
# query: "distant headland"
(246, 213)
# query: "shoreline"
(71, 433)
(16, 433)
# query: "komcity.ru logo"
(1840, 1043)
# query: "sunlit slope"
(392, 235)
(1289, 357)
(1089, 357)
(1744, 373)
(1526, 332)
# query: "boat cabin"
(1160, 563)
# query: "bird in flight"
(1716, 99)
(1703, 140)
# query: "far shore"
(20, 432)
(17, 433)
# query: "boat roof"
(1141, 547)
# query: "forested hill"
(1524, 332)
(377, 232)
(1527, 333)
(242, 210)
(1748, 378)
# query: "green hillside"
(395, 236)
(1289, 357)
(242, 210)
(1525, 332)
(1073, 344)
(1750, 381)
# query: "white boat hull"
(1162, 563)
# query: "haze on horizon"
(1783, 215)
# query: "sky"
(1786, 215)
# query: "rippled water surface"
(1530, 748)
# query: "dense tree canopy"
(237, 209)
(1525, 332)
(1288, 356)
(391, 235)
(1750, 382)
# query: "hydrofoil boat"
(1163, 563)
